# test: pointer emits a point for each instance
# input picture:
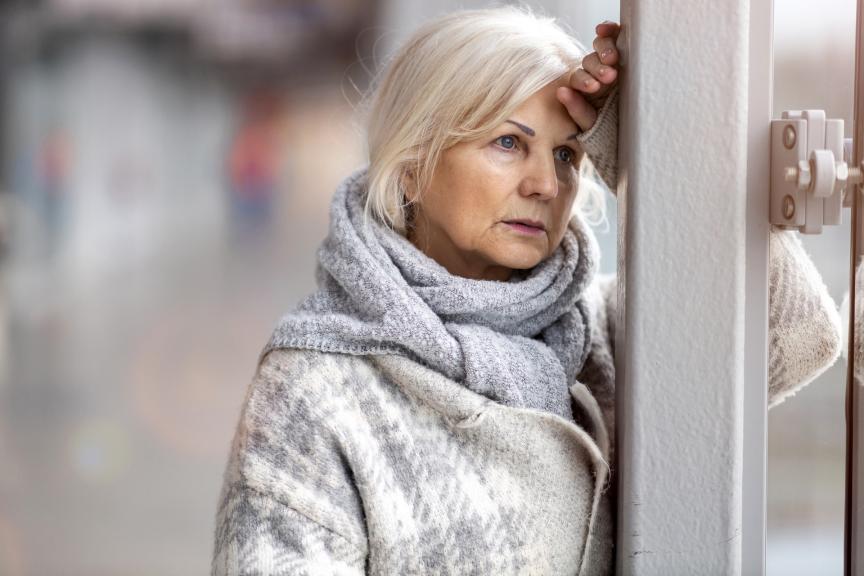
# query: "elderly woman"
(444, 403)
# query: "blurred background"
(166, 173)
(166, 169)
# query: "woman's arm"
(288, 503)
(600, 142)
(803, 326)
(591, 100)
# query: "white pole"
(681, 281)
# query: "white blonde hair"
(457, 78)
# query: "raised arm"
(804, 326)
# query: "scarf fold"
(520, 342)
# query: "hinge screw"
(789, 137)
(788, 207)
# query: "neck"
(454, 261)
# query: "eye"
(507, 138)
(569, 155)
(510, 141)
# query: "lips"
(526, 222)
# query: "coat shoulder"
(296, 371)
(287, 444)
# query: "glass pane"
(814, 45)
(852, 309)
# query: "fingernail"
(602, 70)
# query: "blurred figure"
(54, 156)
(254, 163)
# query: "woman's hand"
(591, 83)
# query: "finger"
(583, 113)
(608, 29)
(604, 74)
(582, 81)
(605, 48)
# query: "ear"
(409, 185)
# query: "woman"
(443, 404)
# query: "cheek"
(467, 216)
(469, 204)
(452, 208)
(473, 195)
(564, 210)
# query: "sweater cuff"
(804, 325)
(600, 143)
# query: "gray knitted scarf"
(520, 342)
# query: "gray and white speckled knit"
(519, 342)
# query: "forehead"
(544, 107)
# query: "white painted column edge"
(754, 473)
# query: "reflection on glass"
(813, 69)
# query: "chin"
(520, 260)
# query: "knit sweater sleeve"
(804, 326)
(600, 143)
(288, 503)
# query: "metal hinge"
(809, 171)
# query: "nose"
(540, 179)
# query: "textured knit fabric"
(382, 464)
(798, 351)
(519, 342)
(600, 142)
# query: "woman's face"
(526, 169)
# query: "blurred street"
(163, 213)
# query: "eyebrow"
(530, 131)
